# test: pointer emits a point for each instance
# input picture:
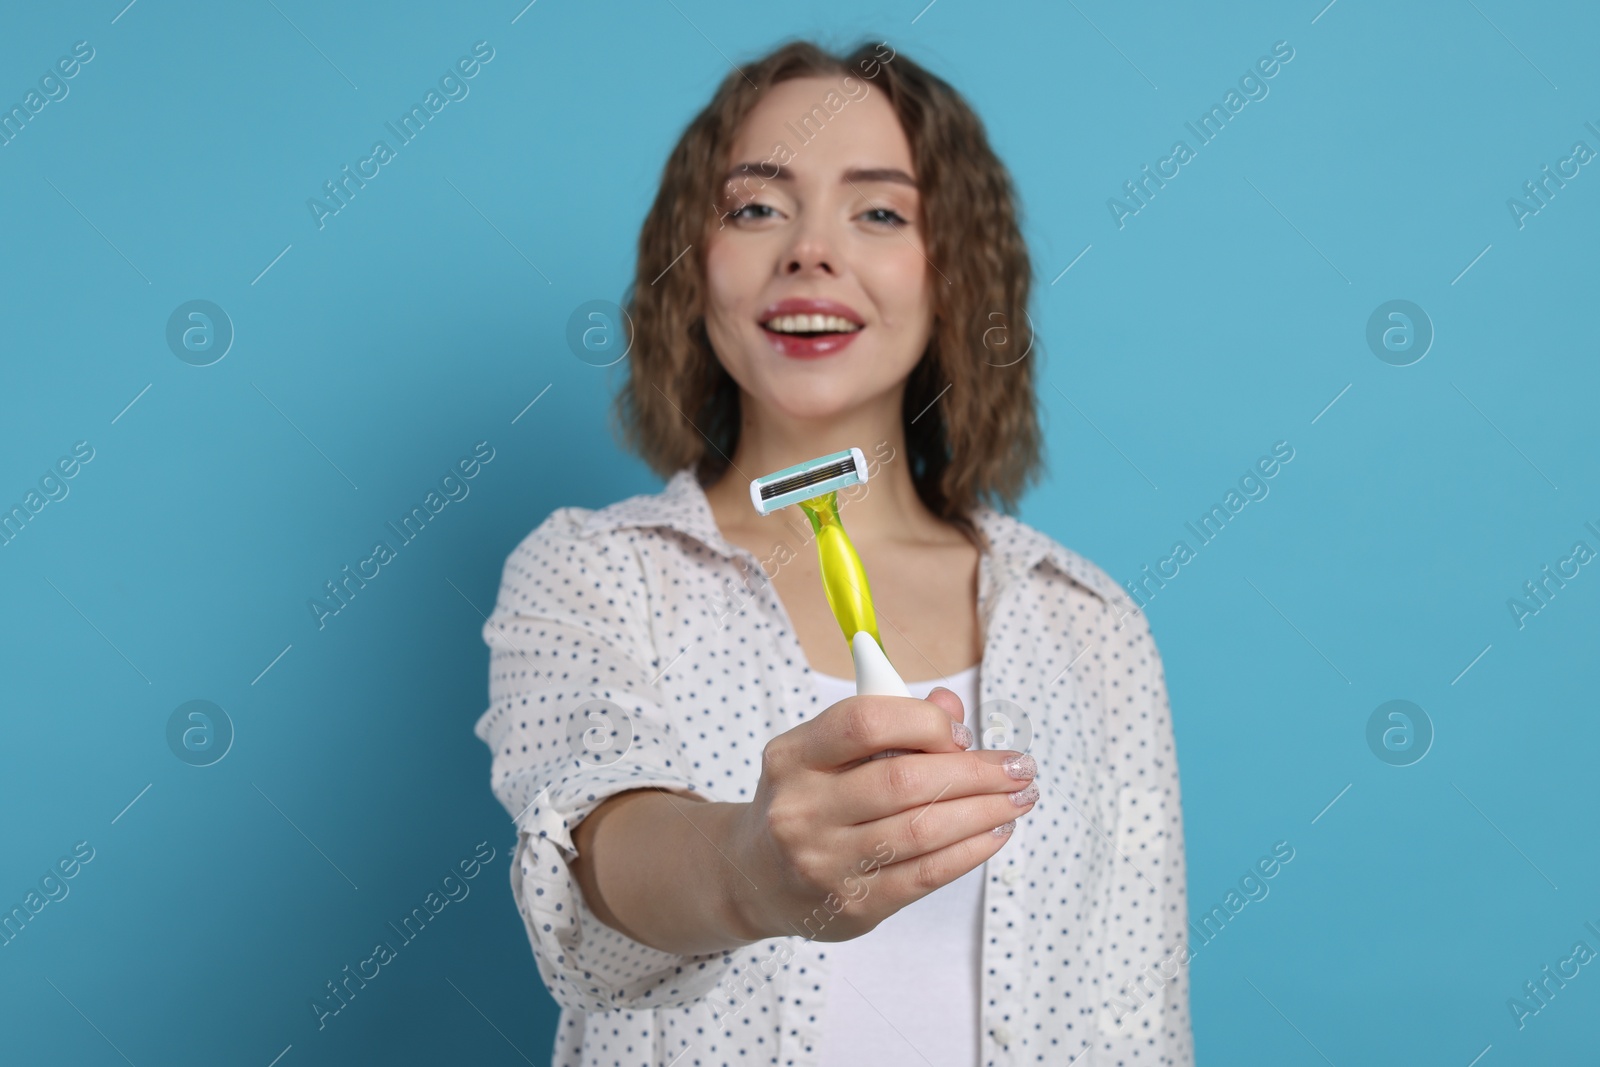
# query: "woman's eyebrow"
(780, 173)
(880, 174)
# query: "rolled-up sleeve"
(574, 718)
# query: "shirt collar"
(682, 505)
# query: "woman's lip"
(797, 305)
(799, 347)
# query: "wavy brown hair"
(981, 441)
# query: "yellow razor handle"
(844, 579)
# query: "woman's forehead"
(812, 124)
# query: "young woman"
(710, 868)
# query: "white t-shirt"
(912, 980)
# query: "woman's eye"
(739, 213)
(887, 216)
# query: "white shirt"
(643, 604)
(907, 990)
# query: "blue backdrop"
(217, 395)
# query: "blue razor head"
(838, 470)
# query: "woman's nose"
(812, 251)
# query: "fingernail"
(1005, 828)
(1021, 767)
(959, 731)
(1027, 796)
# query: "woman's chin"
(795, 397)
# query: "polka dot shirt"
(632, 646)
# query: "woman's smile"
(808, 327)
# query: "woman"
(709, 867)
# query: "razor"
(815, 486)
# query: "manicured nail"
(1005, 828)
(959, 731)
(1021, 767)
(1026, 796)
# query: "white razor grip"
(876, 676)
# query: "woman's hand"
(834, 842)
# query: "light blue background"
(1227, 315)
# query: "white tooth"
(811, 324)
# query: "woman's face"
(828, 226)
